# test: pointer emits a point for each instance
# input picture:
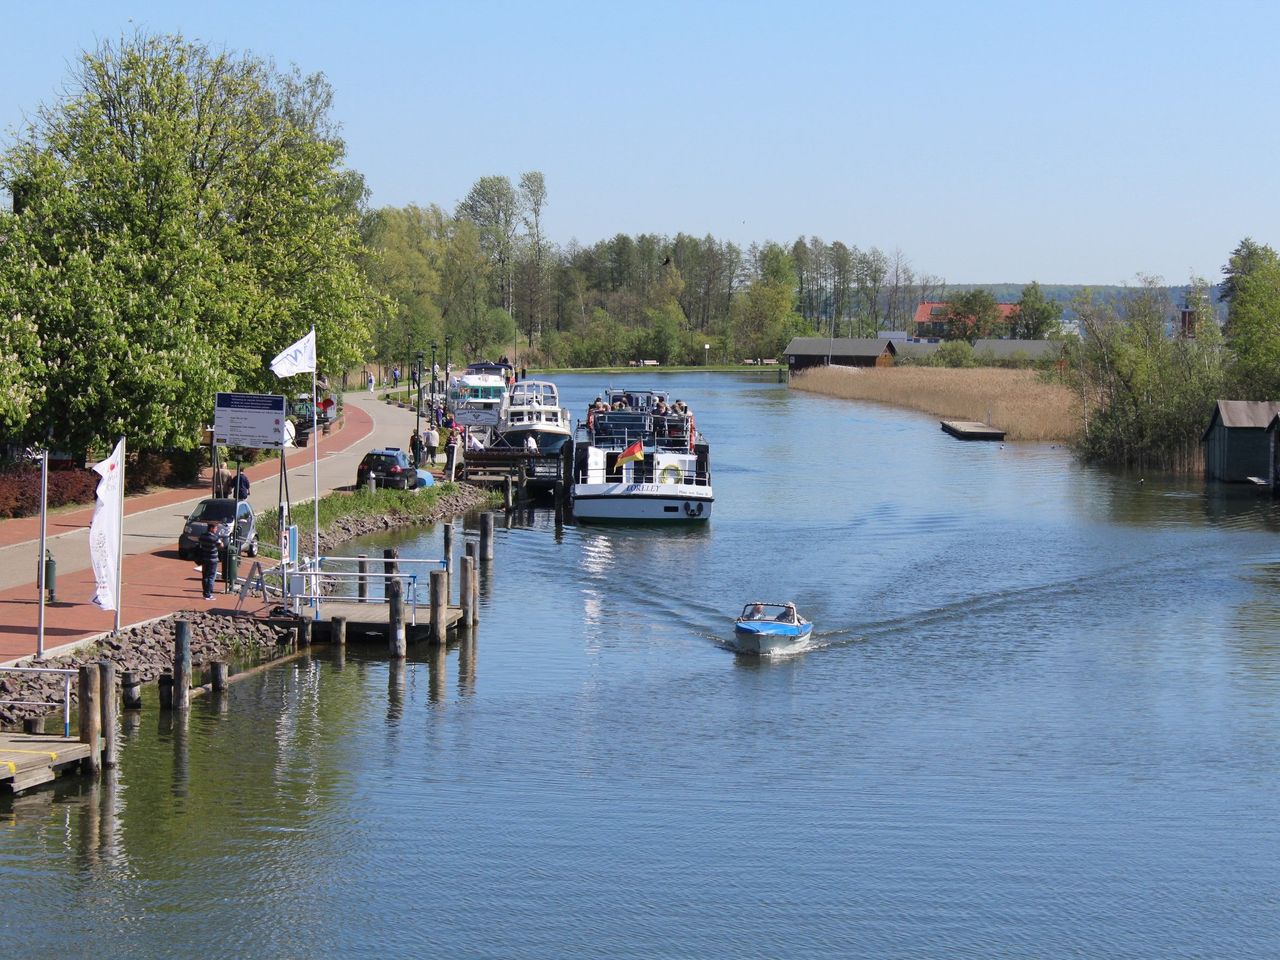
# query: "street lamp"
(447, 340)
(417, 412)
(433, 379)
(706, 354)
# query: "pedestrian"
(415, 447)
(433, 442)
(222, 482)
(242, 485)
(371, 381)
(208, 548)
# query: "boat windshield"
(781, 612)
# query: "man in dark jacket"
(208, 548)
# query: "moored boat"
(770, 628)
(636, 459)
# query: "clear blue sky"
(999, 142)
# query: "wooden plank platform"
(28, 760)
(373, 617)
(971, 430)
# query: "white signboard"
(249, 420)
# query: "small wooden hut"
(805, 352)
(1238, 442)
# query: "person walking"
(371, 382)
(415, 447)
(208, 548)
(433, 442)
(242, 486)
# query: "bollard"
(396, 643)
(181, 665)
(304, 633)
(486, 537)
(218, 676)
(475, 592)
(439, 606)
(90, 716)
(448, 546)
(559, 501)
(362, 585)
(165, 685)
(371, 486)
(507, 498)
(231, 569)
(466, 599)
(338, 631)
(130, 691)
(389, 567)
(107, 690)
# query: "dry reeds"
(1016, 401)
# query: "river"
(1039, 720)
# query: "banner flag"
(299, 357)
(633, 452)
(104, 529)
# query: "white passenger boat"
(477, 402)
(640, 461)
(533, 431)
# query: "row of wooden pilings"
(98, 686)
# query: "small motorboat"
(770, 627)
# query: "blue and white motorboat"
(770, 628)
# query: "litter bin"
(231, 569)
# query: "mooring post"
(130, 691)
(389, 567)
(107, 682)
(218, 676)
(362, 585)
(165, 686)
(181, 665)
(439, 606)
(304, 633)
(338, 631)
(371, 486)
(396, 642)
(507, 497)
(486, 537)
(475, 592)
(448, 547)
(559, 501)
(466, 598)
(90, 716)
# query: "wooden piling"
(218, 676)
(165, 686)
(486, 537)
(439, 605)
(90, 715)
(466, 598)
(389, 567)
(107, 690)
(475, 592)
(396, 640)
(130, 691)
(362, 585)
(448, 547)
(304, 633)
(508, 499)
(338, 631)
(181, 665)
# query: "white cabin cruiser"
(640, 461)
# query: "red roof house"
(930, 319)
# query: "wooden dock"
(373, 618)
(28, 760)
(971, 430)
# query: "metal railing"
(66, 692)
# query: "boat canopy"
(781, 612)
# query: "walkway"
(156, 582)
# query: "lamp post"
(417, 411)
(433, 379)
(706, 354)
(447, 340)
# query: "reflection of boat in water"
(639, 460)
(770, 628)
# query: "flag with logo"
(104, 529)
(299, 357)
(633, 452)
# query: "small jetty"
(971, 430)
(28, 761)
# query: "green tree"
(494, 207)
(1035, 317)
(1254, 326)
(183, 215)
(972, 315)
(764, 315)
(1245, 258)
(404, 250)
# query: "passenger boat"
(477, 402)
(634, 462)
(532, 432)
(770, 628)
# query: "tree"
(972, 315)
(183, 215)
(764, 316)
(533, 196)
(1035, 317)
(404, 250)
(1254, 328)
(493, 207)
(1245, 258)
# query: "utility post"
(417, 411)
(447, 340)
(433, 381)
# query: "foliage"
(955, 353)
(404, 248)
(1035, 317)
(1254, 327)
(973, 315)
(20, 489)
(1146, 397)
(382, 502)
(181, 216)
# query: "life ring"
(671, 473)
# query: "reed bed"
(1017, 401)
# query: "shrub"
(20, 489)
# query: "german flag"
(633, 452)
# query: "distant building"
(1237, 443)
(804, 352)
(931, 317)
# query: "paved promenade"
(156, 582)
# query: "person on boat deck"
(680, 407)
(787, 616)
(531, 443)
(473, 442)
(619, 405)
(599, 404)
(662, 409)
(757, 611)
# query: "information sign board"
(253, 420)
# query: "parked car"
(224, 510)
(390, 467)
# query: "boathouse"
(805, 352)
(1238, 443)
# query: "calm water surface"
(1041, 719)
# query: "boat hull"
(642, 503)
(765, 637)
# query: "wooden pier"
(971, 430)
(375, 618)
(28, 760)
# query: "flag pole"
(120, 543)
(44, 510)
(315, 459)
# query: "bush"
(20, 489)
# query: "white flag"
(104, 530)
(298, 358)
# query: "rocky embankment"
(462, 500)
(146, 649)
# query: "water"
(1038, 720)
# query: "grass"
(339, 504)
(1019, 402)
